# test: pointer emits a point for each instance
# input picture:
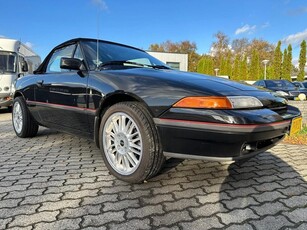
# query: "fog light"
(6, 88)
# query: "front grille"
(280, 110)
(294, 93)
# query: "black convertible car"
(139, 111)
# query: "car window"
(54, 62)
(305, 84)
(272, 84)
(297, 84)
(261, 83)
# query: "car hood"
(156, 86)
(180, 78)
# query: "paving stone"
(239, 227)
(203, 223)
(188, 193)
(63, 189)
(181, 204)
(59, 224)
(120, 205)
(102, 219)
(24, 220)
(158, 199)
(10, 203)
(269, 208)
(167, 189)
(237, 216)
(171, 218)
(58, 205)
(295, 201)
(241, 202)
(207, 210)
(20, 210)
(99, 199)
(271, 223)
(79, 211)
(241, 192)
(145, 211)
(298, 215)
(213, 197)
(134, 194)
(4, 222)
(265, 187)
(41, 198)
(268, 196)
(293, 190)
(29, 192)
(80, 194)
(132, 225)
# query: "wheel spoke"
(122, 143)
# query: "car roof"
(75, 40)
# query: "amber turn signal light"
(209, 102)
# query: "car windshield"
(279, 84)
(115, 54)
(7, 62)
(305, 84)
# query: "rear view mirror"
(24, 66)
(70, 63)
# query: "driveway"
(57, 181)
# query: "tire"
(23, 123)
(129, 142)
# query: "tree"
(244, 69)
(179, 47)
(201, 65)
(285, 65)
(236, 68)
(264, 49)
(277, 61)
(220, 48)
(240, 46)
(302, 62)
(289, 61)
(255, 66)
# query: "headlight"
(282, 93)
(211, 102)
(242, 102)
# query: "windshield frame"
(4, 69)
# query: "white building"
(173, 60)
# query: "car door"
(61, 94)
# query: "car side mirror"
(71, 63)
(24, 66)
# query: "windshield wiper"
(130, 63)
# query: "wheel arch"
(110, 100)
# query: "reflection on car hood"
(187, 78)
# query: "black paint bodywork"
(75, 101)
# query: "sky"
(43, 24)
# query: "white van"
(16, 60)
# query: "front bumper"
(204, 140)
(5, 100)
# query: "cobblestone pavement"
(57, 181)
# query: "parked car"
(301, 85)
(282, 87)
(139, 111)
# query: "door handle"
(40, 83)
